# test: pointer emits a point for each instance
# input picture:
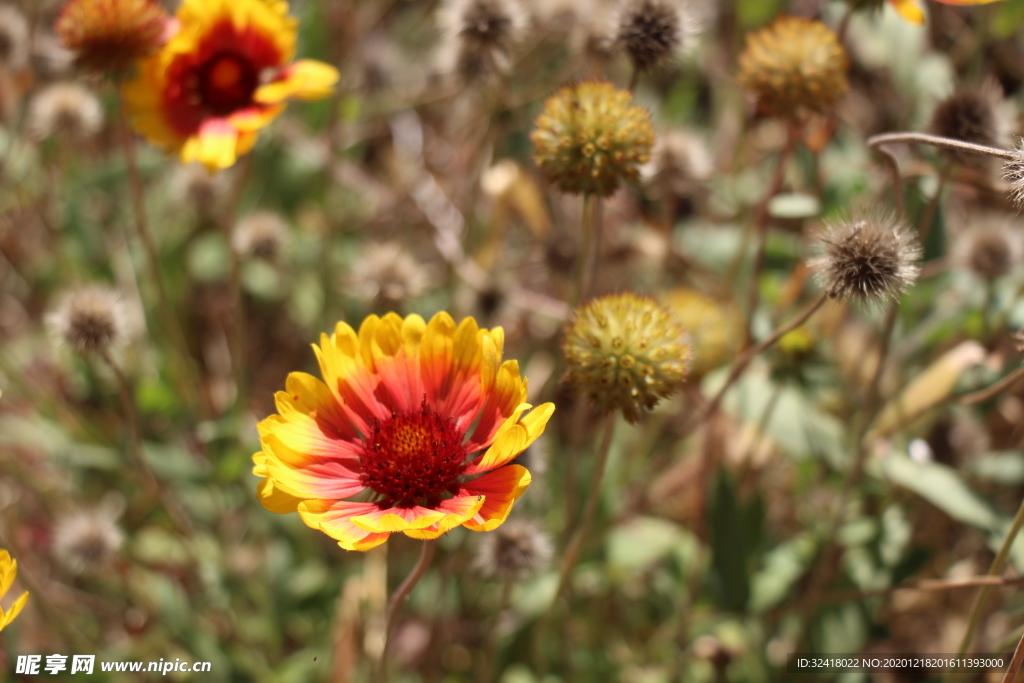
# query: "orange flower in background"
(912, 12)
(227, 73)
(420, 420)
(110, 35)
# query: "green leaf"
(783, 566)
(642, 542)
(736, 531)
(794, 205)
(944, 488)
(1003, 467)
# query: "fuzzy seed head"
(90, 320)
(1013, 173)
(679, 161)
(652, 32)
(589, 138)
(480, 36)
(972, 114)
(872, 258)
(514, 551)
(110, 35)
(388, 273)
(625, 352)
(67, 111)
(195, 186)
(793, 64)
(85, 541)
(990, 248)
(14, 38)
(260, 235)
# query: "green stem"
(189, 383)
(576, 543)
(177, 515)
(584, 262)
(994, 570)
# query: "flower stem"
(238, 329)
(576, 543)
(1015, 663)
(994, 570)
(761, 229)
(951, 144)
(169, 321)
(880, 142)
(983, 395)
(177, 515)
(928, 216)
(588, 249)
(401, 593)
(741, 364)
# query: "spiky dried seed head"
(68, 111)
(260, 235)
(514, 551)
(973, 113)
(14, 38)
(871, 258)
(1013, 173)
(111, 35)
(87, 540)
(388, 273)
(653, 32)
(793, 64)
(625, 352)
(679, 161)
(90, 320)
(590, 137)
(195, 186)
(480, 36)
(990, 247)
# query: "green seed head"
(626, 352)
(590, 137)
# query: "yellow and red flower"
(419, 421)
(912, 12)
(227, 73)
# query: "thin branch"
(983, 395)
(740, 365)
(576, 544)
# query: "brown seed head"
(990, 246)
(972, 114)
(589, 138)
(1013, 173)
(68, 111)
(260, 235)
(652, 32)
(86, 540)
(110, 35)
(873, 258)
(793, 64)
(387, 273)
(514, 551)
(480, 36)
(14, 38)
(90, 320)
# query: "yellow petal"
(909, 10)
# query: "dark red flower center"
(413, 456)
(227, 82)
